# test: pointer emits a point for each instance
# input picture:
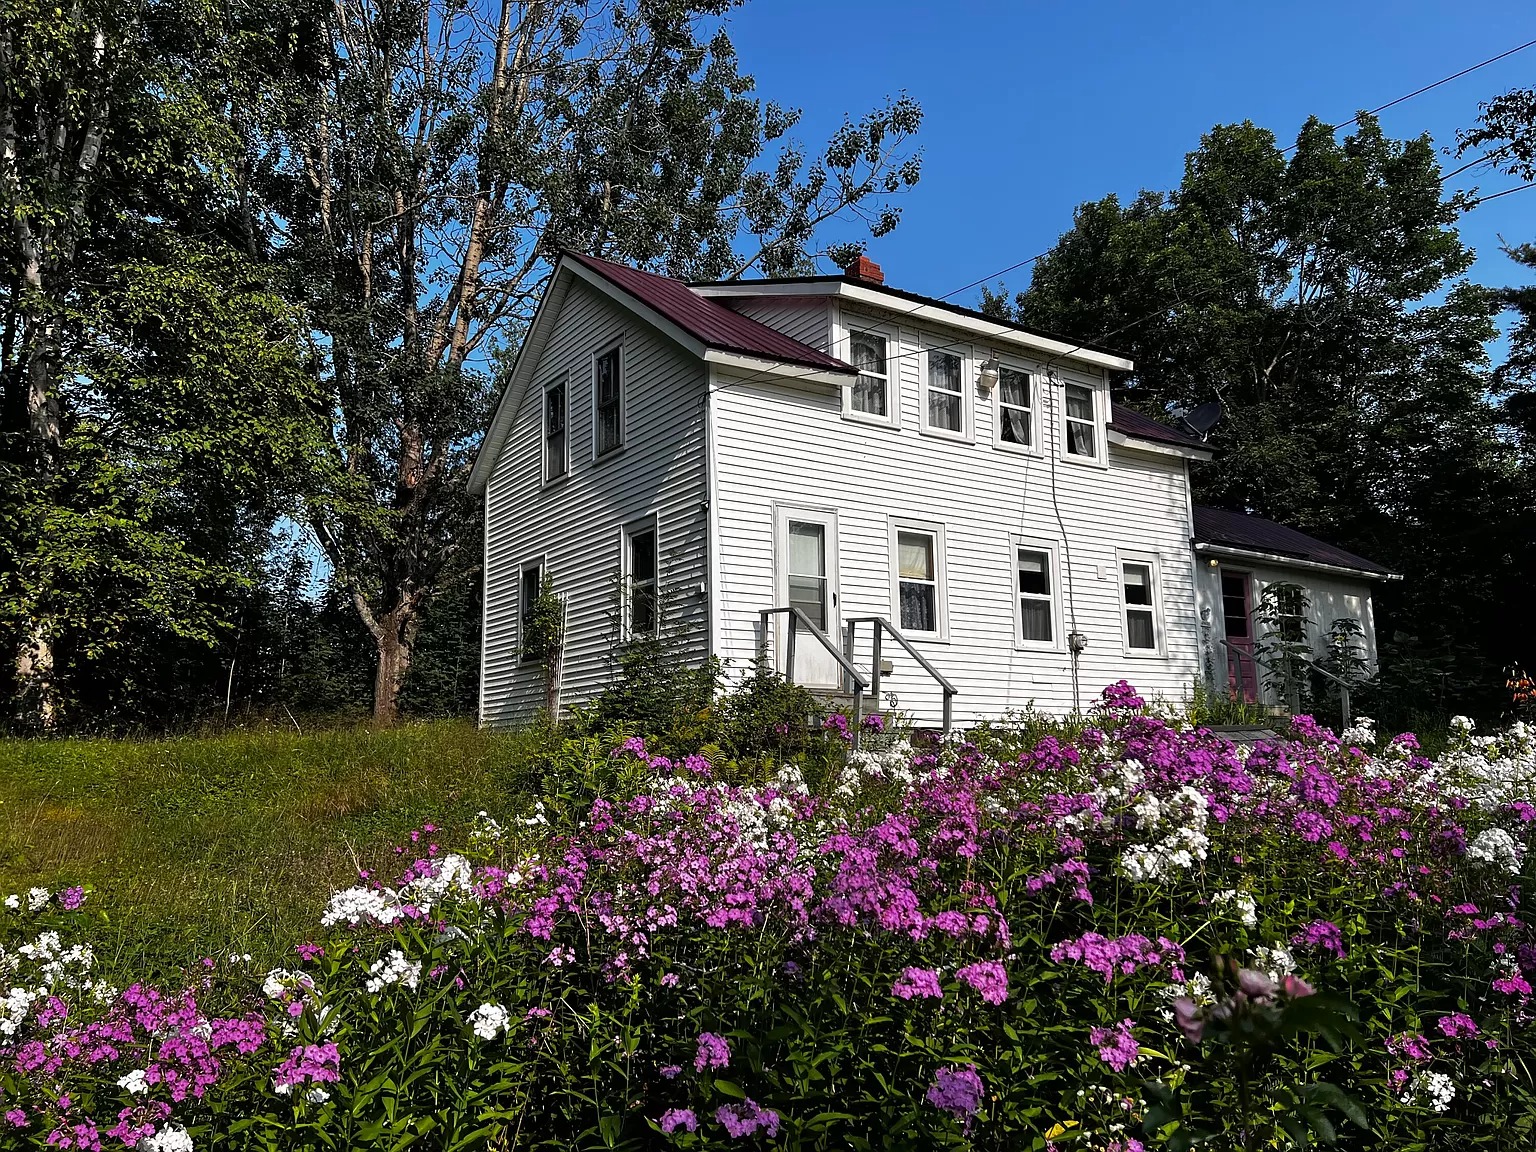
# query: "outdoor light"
(990, 370)
(1213, 562)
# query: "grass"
(233, 843)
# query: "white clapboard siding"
(1332, 596)
(780, 443)
(807, 319)
(576, 524)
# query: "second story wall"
(574, 525)
(980, 497)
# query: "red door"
(1237, 620)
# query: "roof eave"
(1292, 561)
(937, 312)
(1160, 447)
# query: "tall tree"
(418, 193)
(1321, 296)
(153, 382)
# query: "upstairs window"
(945, 405)
(1139, 590)
(642, 567)
(918, 564)
(555, 458)
(1015, 415)
(607, 402)
(1037, 611)
(1082, 426)
(872, 390)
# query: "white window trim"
(1100, 420)
(650, 523)
(541, 562)
(545, 479)
(847, 327)
(1160, 648)
(1058, 594)
(613, 346)
(940, 577)
(1037, 415)
(967, 433)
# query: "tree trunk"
(35, 687)
(395, 637)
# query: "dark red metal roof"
(1133, 423)
(1256, 534)
(715, 325)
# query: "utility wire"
(1427, 88)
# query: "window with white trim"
(640, 579)
(556, 458)
(918, 575)
(1015, 408)
(1081, 420)
(944, 393)
(607, 402)
(871, 393)
(1138, 593)
(1036, 589)
(529, 585)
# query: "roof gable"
(1133, 423)
(1249, 533)
(712, 324)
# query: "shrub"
(1129, 936)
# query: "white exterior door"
(806, 578)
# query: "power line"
(1355, 119)
(1496, 195)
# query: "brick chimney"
(865, 269)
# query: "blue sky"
(1032, 108)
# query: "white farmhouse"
(832, 452)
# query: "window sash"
(643, 582)
(530, 584)
(1035, 595)
(1081, 421)
(554, 432)
(1139, 594)
(917, 580)
(870, 353)
(608, 401)
(1015, 418)
(946, 395)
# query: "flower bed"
(1136, 937)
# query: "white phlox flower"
(1498, 849)
(134, 1083)
(489, 1020)
(1434, 1090)
(171, 1138)
(393, 969)
(355, 906)
(1243, 907)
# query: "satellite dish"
(1203, 418)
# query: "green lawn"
(232, 843)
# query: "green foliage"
(1283, 645)
(1319, 292)
(1211, 708)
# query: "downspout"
(712, 588)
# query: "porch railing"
(1236, 655)
(883, 626)
(797, 617)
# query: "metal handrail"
(882, 624)
(1294, 703)
(796, 615)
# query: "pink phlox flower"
(1116, 1046)
(1457, 1025)
(747, 1117)
(1322, 934)
(674, 1118)
(714, 1052)
(987, 977)
(1409, 1045)
(917, 982)
(957, 1091)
